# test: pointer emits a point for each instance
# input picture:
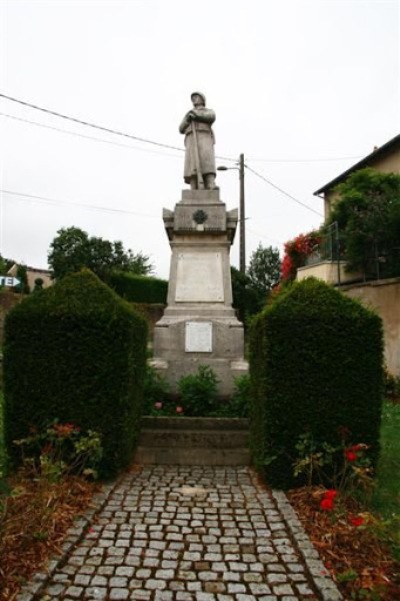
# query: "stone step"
(213, 439)
(195, 423)
(193, 441)
(191, 456)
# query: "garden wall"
(384, 297)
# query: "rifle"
(200, 181)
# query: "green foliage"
(368, 215)
(21, 275)
(344, 468)
(316, 366)
(199, 398)
(240, 401)
(137, 288)
(72, 249)
(392, 387)
(199, 392)
(155, 392)
(76, 352)
(38, 284)
(264, 269)
(387, 492)
(61, 450)
(246, 299)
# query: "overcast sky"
(303, 88)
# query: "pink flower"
(179, 409)
(158, 405)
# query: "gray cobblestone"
(149, 541)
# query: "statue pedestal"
(199, 326)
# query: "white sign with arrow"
(7, 280)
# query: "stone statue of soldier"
(200, 168)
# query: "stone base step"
(193, 441)
(192, 456)
(209, 439)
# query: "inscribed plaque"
(198, 337)
(199, 278)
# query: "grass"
(386, 499)
(2, 453)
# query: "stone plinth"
(199, 326)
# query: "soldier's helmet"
(201, 96)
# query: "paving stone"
(119, 593)
(234, 541)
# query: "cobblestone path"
(192, 533)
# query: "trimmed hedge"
(139, 288)
(316, 364)
(76, 352)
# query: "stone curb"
(320, 576)
(74, 535)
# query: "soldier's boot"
(209, 181)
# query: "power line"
(55, 201)
(89, 124)
(74, 133)
(139, 139)
(265, 237)
(283, 191)
(310, 160)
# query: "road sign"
(7, 280)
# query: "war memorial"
(199, 325)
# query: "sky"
(303, 88)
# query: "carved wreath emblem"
(200, 216)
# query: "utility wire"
(89, 124)
(55, 201)
(321, 160)
(283, 191)
(137, 138)
(74, 133)
(264, 236)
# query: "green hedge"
(139, 288)
(76, 352)
(316, 361)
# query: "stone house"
(383, 295)
(32, 273)
(384, 158)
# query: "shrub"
(76, 352)
(392, 387)
(155, 392)
(138, 288)
(61, 450)
(199, 392)
(316, 366)
(240, 399)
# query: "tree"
(368, 217)
(72, 249)
(264, 270)
(246, 299)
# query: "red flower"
(179, 409)
(288, 269)
(326, 504)
(350, 455)
(356, 521)
(358, 447)
(330, 494)
(64, 430)
(158, 405)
